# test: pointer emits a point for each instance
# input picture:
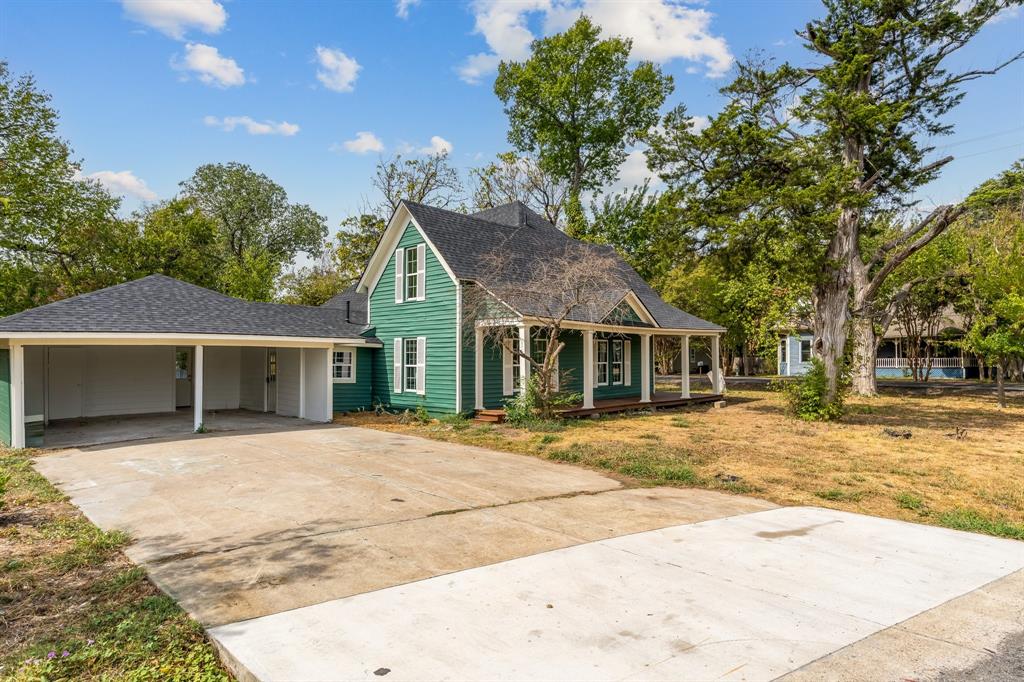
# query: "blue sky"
(149, 90)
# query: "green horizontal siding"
(5, 396)
(357, 395)
(434, 318)
(570, 365)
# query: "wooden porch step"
(489, 416)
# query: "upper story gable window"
(410, 273)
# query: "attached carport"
(158, 346)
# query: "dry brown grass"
(752, 446)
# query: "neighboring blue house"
(947, 361)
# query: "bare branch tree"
(519, 178)
(580, 284)
(426, 180)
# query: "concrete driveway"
(343, 553)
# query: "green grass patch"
(646, 470)
(837, 495)
(74, 607)
(910, 501)
(680, 422)
(969, 519)
(456, 422)
(548, 439)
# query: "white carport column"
(478, 369)
(588, 369)
(716, 369)
(17, 395)
(645, 368)
(197, 383)
(302, 383)
(684, 367)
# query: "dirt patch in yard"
(72, 605)
(962, 465)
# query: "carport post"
(17, 395)
(197, 382)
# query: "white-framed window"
(410, 360)
(616, 362)
(602, 362)
(410, 273)
(805, 350)
(343, 366)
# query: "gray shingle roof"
(164, 305)
(356, 304)
(467, 241)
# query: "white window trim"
(342, 380)
(406, 365)
(597, 362)
(509, 365)
(810, 350)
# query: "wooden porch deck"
(610, 405)
(658, 399)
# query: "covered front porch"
(611, 366)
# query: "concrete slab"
(90, 431)
(746, 597)
(276, 575)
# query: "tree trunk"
(1000, 387)
(865, 356)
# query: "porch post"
(684, 368)
(17, 395)
(645, 368)
(524, 346)
(478, 350)
(588, 369)
(716, 369)
(197, 384)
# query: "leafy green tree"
(59, 233)
(577, 105)
(178, 240)
(312, 285)
(993, 240)
(818, 151)
(258, 226)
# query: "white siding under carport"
(96, 381)
(288, 381)
(317, 384)
(253, 382)
(221, 380)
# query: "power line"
(980, 137)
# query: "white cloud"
(699, 123)
(123, 183)
(209, 66)
(634, 171)
(661, 30)
(175, 17)
(402, 7)
(251, 126)
(364, 143)
(337, 70)
(438, 145)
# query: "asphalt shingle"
(164, 305)
(468, 242)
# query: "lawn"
(962, 465)
(72, 606)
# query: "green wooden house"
(399, 339)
